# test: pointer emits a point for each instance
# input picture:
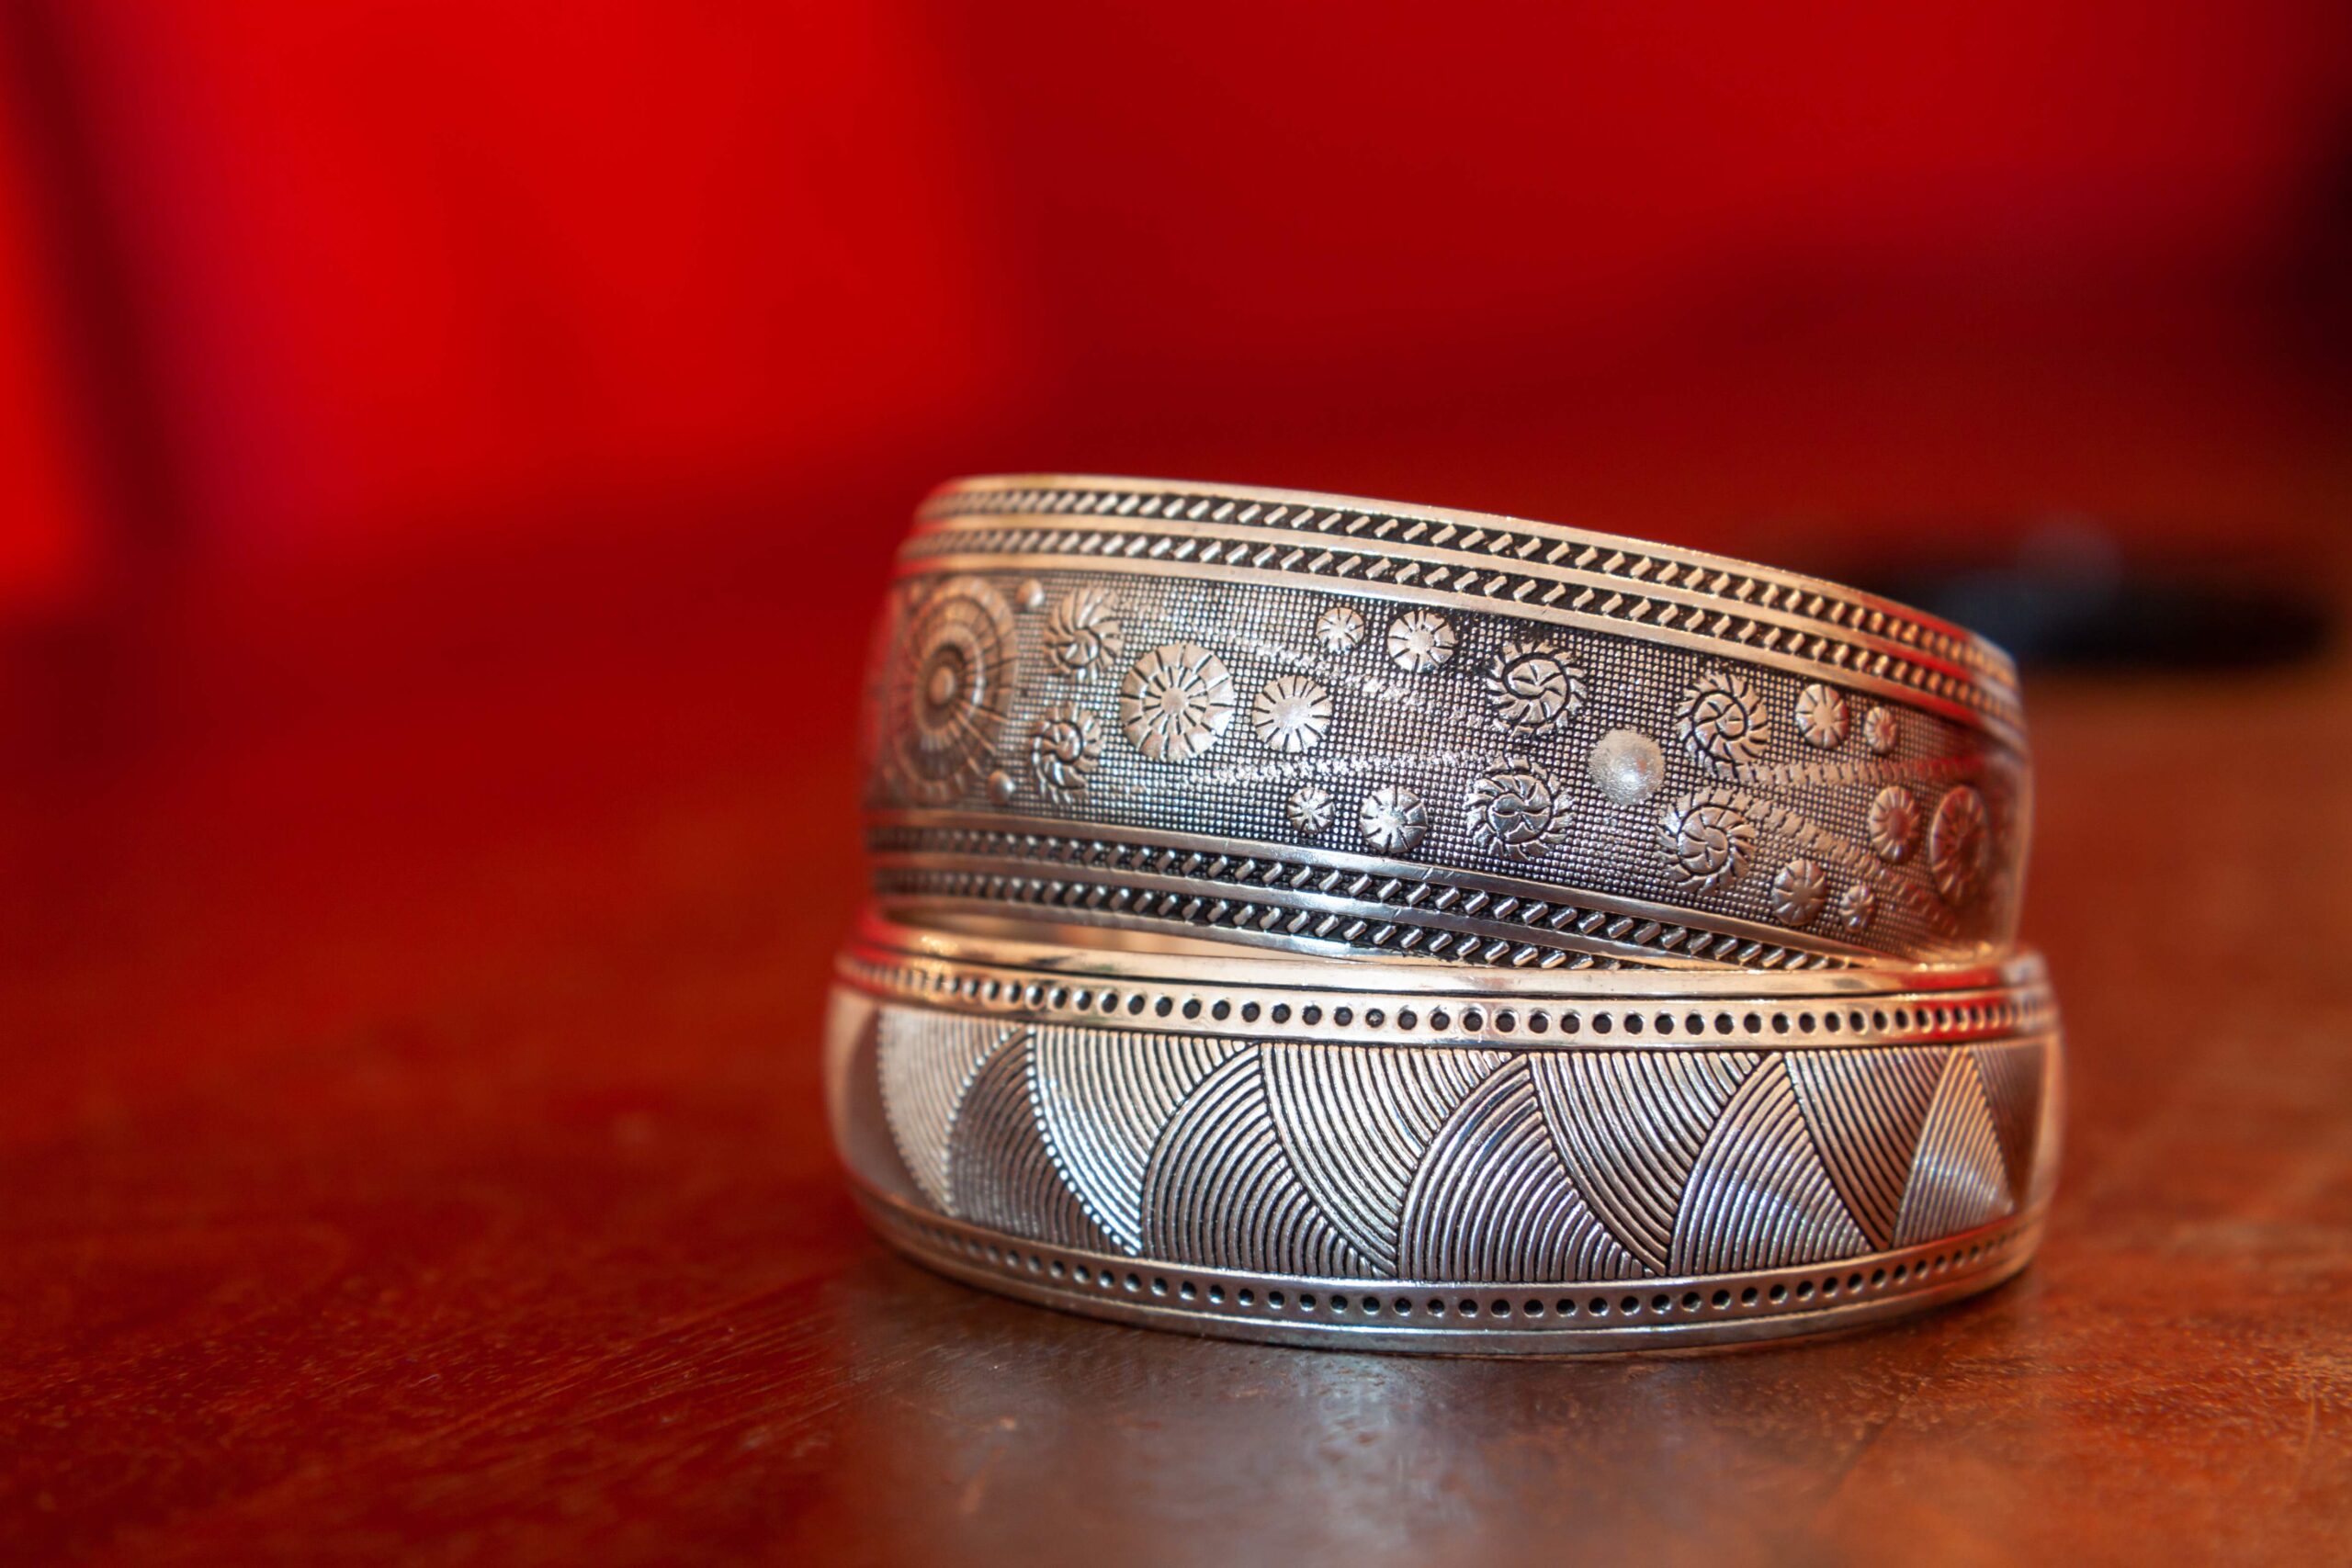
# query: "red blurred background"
(449, 452)
(292, 286)
(423, 418)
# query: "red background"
(449, 454)
(287, 284)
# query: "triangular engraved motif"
(1759, 1196)
(1356, 1124)
(2012, 1077)
(998, 1168)
(1220, 1190)
(1630, 1123)
(1492, 1199)
(928, 1063)
(1104, 1099)
(1865, 1110)
(1958, 1181)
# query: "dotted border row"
(1895, 1019)
(1406, 1305)
(1498, 537)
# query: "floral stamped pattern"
(948, 698)
(1308, 809)
(1821, 716)
(1892, 822)
(1420, 640)
(1799, 892)
(1706, 842)
(1958, 842)
(1517, 809)
(1175, 702)
(1392, 818)
(1721, 719)
(1531, 687)
(1063, 750)
(1083, 632)
(1878, 731)
(1340, 628)
(1291, 713)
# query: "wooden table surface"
(411, 1151)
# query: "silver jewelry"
(1176, 791)
(1408, 1158)
(1343, 726)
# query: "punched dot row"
(1408, 1308)
(1981, 1016)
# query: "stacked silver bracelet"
(1316, 919)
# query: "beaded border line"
(1519, 587)
(1258, 890)
(1907, 1017)
(1390, 1315)
(1469, 533)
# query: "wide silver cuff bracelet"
(1406, 1155)
(1357, 728)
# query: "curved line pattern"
(861, 1123)
(1958, 1182)
(998, 1167)
(1357, 1123)
(1630, 1124)
(1865, 1112)
(1493, 1201)
(928, 1062)
(1103, 1099)
(1759, 1196)
(2012, 1078)
(1221, 1192)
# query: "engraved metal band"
(1398, 1156)
(1338, 726)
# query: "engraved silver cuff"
(1352, 728)
(1409, 1156)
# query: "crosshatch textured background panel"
(1434, 732)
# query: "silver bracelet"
(1343, 726)
(1411, 1156)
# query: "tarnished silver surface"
(1409, 1156)
(1343, 726)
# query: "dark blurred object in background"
(2070, 597)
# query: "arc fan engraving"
(1422, 1164)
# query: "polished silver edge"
(1462, 1318)
(1407, 1017)
(1084, 958)
(942, 495)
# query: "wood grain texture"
(412, 1151)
